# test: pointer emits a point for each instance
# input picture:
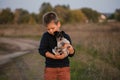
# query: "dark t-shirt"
(48, 42)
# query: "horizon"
(100, 6)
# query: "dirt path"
(25, 46)
(25, 64)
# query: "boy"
(57, 65)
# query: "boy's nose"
(51, 31)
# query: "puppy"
(61, 41)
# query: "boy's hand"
(69, 47)
(60, 56)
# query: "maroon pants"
(62, 73)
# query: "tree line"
(66, 15)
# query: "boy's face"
(52, 27)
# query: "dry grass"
(97, 48)
(23, 30)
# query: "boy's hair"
(50, 16)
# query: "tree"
(117, 14)
(33, 19)
(45, 7)
(6, 16)
(76, 16)
(62, 11)
(92, 15)
(112, 16)
(21, 16)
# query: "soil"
(20, 60)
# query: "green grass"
(93, 68)
(3, 76)
(81, 71)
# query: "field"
(97, 52)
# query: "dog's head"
(60, 38)
(59, 35)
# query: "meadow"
(97, 51)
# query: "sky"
(103, 6)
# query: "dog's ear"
(56, 33)
(62, 32)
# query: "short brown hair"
(50, 16)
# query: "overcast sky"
(105, 6)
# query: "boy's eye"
(51, 29)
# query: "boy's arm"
(43, 47)
(49, 55)
(56, 56)
(71, 49)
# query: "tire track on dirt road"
(25, 45)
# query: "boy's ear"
(58, 24)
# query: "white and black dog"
(61, 41)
